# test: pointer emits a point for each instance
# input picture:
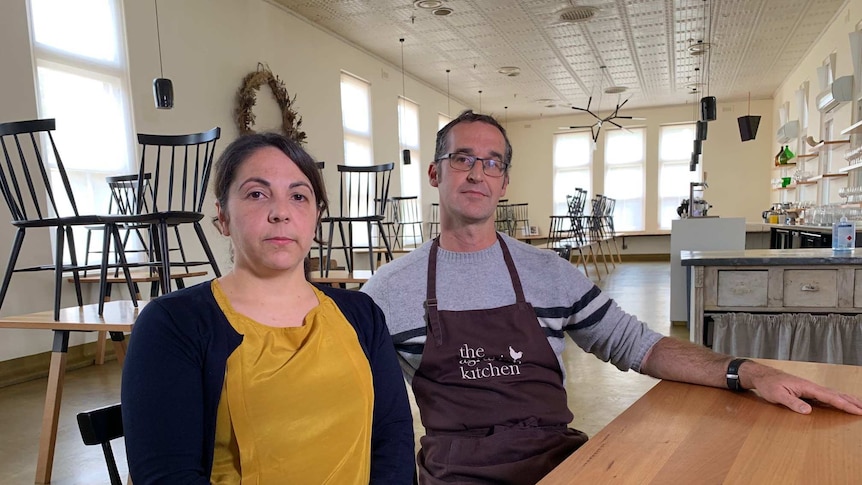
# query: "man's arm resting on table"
(679, 360)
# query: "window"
(674, 176)
(82, 81)
(624, 176)
(356, 120)
(408, 134)
(442, 120)
(573, 159)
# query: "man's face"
(470, 197)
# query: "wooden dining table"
(684, 433)
(341, 278)
(118, 317)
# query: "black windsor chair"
(25, 180)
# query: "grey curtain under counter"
(831, 338)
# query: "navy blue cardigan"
(173, 376)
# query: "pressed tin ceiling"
(646, 45)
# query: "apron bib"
(490, 393)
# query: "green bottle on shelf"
(788, 155)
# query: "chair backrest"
(125, 193)
(434, 221)
(407, 209)
(364, 190)
(180, 166)
(25, 176)
(99, 427)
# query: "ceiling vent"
(510, 71)
(616, 89)
(840, 92)
(573, 15)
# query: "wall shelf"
(830, 145)
(783, 164)
(853, 129)
(848, 168)
(808, 155)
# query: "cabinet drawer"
(811, 288)
(742, 288)
(857, 289)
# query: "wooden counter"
(688, 434)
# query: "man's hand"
(782, 388)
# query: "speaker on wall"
(697, 149)
(701, 130)
(406, 156)
(748, 126)
(707, 108)
(692, 165)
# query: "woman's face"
(271, 213)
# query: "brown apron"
(490, 393)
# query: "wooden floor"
(598, 392)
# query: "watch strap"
(733, 375)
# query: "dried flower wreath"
(246, 97)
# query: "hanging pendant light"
(163, 88)
(480, 100)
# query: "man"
(479, 318)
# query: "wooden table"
(683, 433)
(118, 317)
(341, 278)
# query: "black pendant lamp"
(163, 88)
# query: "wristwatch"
(733, 375)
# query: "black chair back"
(180, 166)
(23, 183)
(99, 427)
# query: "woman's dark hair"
(243, 147)
(470, 117)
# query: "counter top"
(804, 227)
(770, 257)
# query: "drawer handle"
(809, 288)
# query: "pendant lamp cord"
(403, 92)
(448, 99)
(159, 39)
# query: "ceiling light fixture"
(616, 89)
(428, 4)
(510, 71)
(442, 11)
(596, 127)
(163, 89)
(480, 100)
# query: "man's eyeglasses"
(464, 163)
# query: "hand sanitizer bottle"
(843, 235)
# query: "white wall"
(737, 171)
(833, 40)
(208, 46)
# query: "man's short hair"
(469, 116)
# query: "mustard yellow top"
(297, 402)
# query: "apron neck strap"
(431, 287)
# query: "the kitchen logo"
(475, 364)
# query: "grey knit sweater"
(565, 301)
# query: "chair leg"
(73, 256)
(371, 246)
(165, 276)
(202, 237)
(58, 270)
(10, 267)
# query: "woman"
(260, 376)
